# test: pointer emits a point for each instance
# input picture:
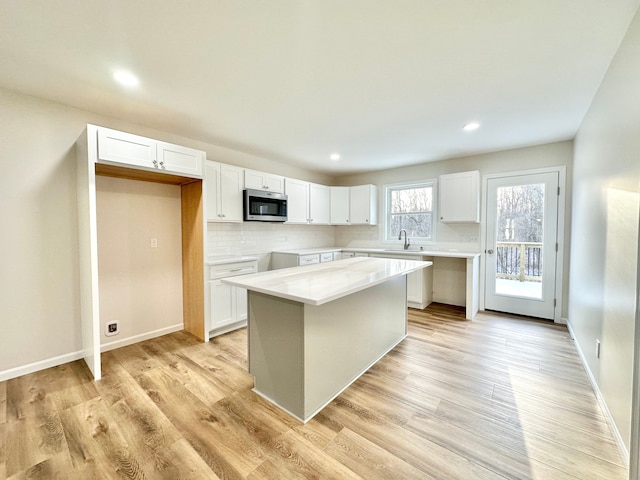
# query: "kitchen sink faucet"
(406, 240)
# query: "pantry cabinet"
(263, 181)
(224, 192)
(133, 151)
(459, 197)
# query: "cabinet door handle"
(155, 163)
(490, 252)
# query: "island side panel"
(276, 329)
(344, 338)
(473, 287)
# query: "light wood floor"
(498, 397)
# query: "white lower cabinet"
(419, 283)
(227, 304)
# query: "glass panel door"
(521, 239)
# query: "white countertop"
(223, 259)
(452, 253)
(444, 252)
(324, 282)
(310, 251)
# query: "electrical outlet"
(597, 348)
(154, 243)
(112, 329)
(473, 238)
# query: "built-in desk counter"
(472, 275)
(313, 330)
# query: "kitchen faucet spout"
(406, 239)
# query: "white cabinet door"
(126, 148)
(182, 160)
(339, 205)
(227, 303)
(319, 204)
(263, 181)
(224, 192)
(222, 298)
(123, 148)
(363, 205)
(460, 197)
(418, 295)
(297, 200)
(241, 303)
(212, 174)
(231, 186)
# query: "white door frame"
(634, 448)
(562, 182)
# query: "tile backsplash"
(260, 239)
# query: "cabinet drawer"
(231, 270)
(326, 257)
(308, 259)
(337, 256)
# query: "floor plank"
(499, 397)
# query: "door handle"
(490, 252)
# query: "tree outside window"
(410, 207)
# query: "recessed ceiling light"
(335, 157)
(471, 126)
(126, 79)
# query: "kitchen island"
(313, 330)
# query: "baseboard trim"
(72, 357)
(105, 347)
(40, 365)
(612, 424)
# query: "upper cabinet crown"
(460, 197)
(263, 181)
(120, 148)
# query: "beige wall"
(140, 286)
(549, 155)
(39, 279)
(605, 230)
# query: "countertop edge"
(242, 281)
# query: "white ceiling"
(383, 82)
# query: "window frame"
(388, 188)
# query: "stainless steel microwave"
(263, 206)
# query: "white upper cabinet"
(307, 202)
(121, 148)
(460, 197)
(339, 213)
(319, 204)
(363, 205)
(224, 192)
(177, 159)
(297, 200)
(263, 181)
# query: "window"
(410, 207)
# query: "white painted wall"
(39, 278)
(140, 286)
(602, 297)
(453, 235)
